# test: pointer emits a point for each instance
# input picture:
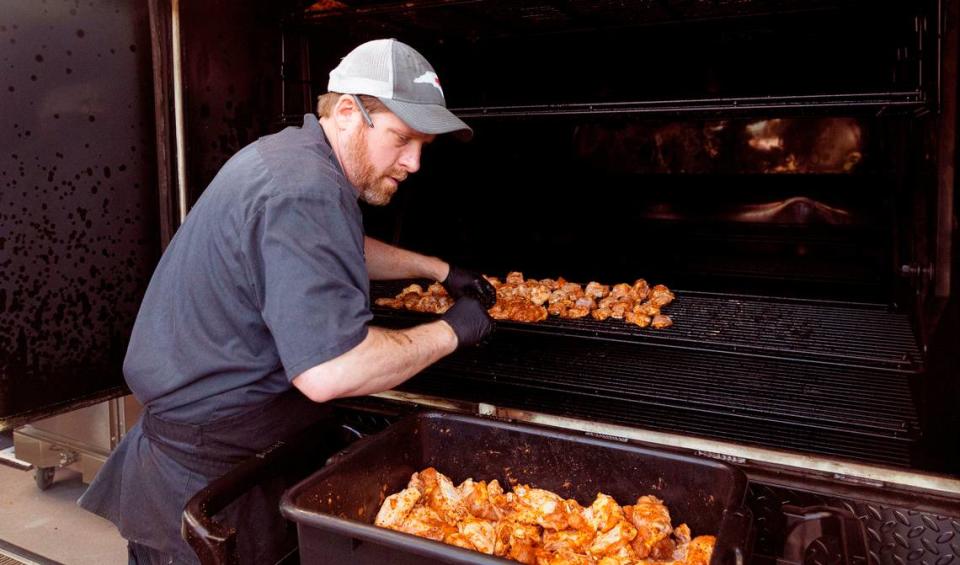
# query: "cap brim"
(429, 118)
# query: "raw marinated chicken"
(518, 310)
(536, 526)
(530, 300)
(434, 300)
(396, 507)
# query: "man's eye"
(402, 139)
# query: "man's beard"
(375, 189)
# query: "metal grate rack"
(825, 377)
(846, 334)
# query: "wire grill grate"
(825, 377)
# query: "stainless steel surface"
(82, 438)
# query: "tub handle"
(805, 525)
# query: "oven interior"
(774, 162)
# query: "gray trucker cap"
(403, 80)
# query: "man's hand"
(469, 320)
(461, 282)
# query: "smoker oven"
(776, 162)
(786, 166)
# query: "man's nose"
(410, 158)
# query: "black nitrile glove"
(469, 320)
(461, 282)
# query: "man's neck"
(333, 139)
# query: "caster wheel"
(44, 476)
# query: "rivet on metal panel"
(930, 523)
(945, 559)
(945, 537)
(901, 517)
(929, 546)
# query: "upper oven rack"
(842, 334)
(875, 103)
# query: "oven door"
(79, 206)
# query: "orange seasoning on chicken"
(536, 526)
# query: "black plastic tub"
(335, 507)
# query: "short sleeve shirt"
(265, 279)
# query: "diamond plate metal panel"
(895, 536)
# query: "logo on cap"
(430, 78)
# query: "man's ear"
(345, 112)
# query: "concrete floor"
(50, 524)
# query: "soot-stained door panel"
(78, 205)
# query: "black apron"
(159, 465)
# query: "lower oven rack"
(824, 377)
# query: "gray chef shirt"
(265, 279)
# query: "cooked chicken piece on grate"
(581, 307)
(550, 284)
(560, 307)
(514, 277)
(661, 321)
(596, 290)
(619, 309)
(638, 319)
(536, 292)
(601, 313)
(518, 310)
(621, 290)
(646, 308)
(660, 296)
(641, 290)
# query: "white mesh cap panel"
(403, 80)
(368, 69)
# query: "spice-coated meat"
(536, 526)
(520, 299)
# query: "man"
(259, 309)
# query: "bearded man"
(259, 310)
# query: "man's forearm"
(385, 261)
(380, 362)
